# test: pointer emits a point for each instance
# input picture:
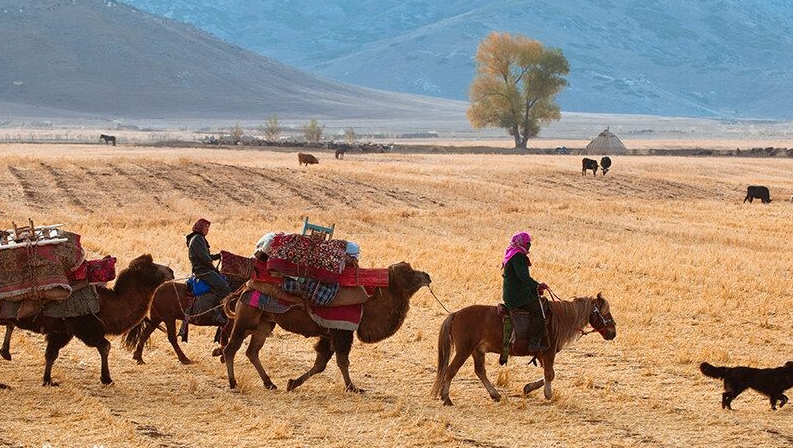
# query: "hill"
(105, 58)
(658, 57)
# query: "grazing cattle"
(605, 164)
(341, 150)
(589, 164)
(306, 159)
(757, 192)
(108, 139)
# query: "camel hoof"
(140, 361)
(4, 386)
(496, 397)
(270, 386)
(50, 383)
(186, 361)
(232, 385)
(291, 385)
(447, 402)
(6, 355)
(354, 389)
(217, 352)
(106, 381)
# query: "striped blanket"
(333, 318)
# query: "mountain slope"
(102, 57)
(668, 57)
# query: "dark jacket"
(198, 252)
(519, 288)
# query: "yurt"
(605, 144)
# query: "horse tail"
(135, 335)
(445, 345)
(713, 371)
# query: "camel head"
(407, 280)
(148, 272)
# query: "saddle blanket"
(40, 271)
(81, 302)
(346, 317)
(302, 256)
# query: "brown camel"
(476, 330)
(382, 317)
(170, 301)
(5, 352)
(121, 308)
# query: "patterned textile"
(302, 256)
(102, 270)
(265, 303)
(81, 302)
(349, 277)
(338, 317)
(235, 266)
(40, 271)
(316, 292)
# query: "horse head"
(601, 320)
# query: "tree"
(349, 135)
(313, 131)
(271, 129)
(516, 85)
(236, 133)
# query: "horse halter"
(603, 320)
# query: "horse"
(108, 139)
(476, 330)
(168, 305)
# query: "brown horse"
(5, 352)
(382, 317)
(477, 329)
(170, 301)
(120, 309)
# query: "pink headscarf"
(518, 245)
(200, 225)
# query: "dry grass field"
(692, 274)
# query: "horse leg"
(324, 353)
(481, 372)
(342, 343)
(225, 332)
(5, 352)
(144, 337)
(171, 327)
(451, 371)
(548, 375)
(55, 342)
(263, 330)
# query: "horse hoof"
(291, 385)
(186, 361)
(217, 352)
(50, 383)
(6, 355)
(271, 386)
(106, 381)
(140, 362)
(232, 385)
(496, 398)
(354, 389)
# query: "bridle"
(606, 322)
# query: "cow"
(757, 192)
(605, 164)
(306, 159)
(342, 149)
(589, 164)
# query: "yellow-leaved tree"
(517, 80)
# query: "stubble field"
(692, 274)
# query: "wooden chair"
(317, 231)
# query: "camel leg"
(5, 352)
(104, 352)
(147, 331)
(170, 325)
(55, 342)
(263, 330)
(247, 320)
(481, 372)
(342, 343)
(451, 371)
(324, 353)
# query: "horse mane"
(568, 317)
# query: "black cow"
(757, 192)
(605, 164)
(589, 164)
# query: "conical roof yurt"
(606, 143)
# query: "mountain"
(100, 57)
(725, 58)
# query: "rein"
(438, 300)
(596, 310)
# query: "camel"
(382, 317)
(5, 352)
(121, 308)
(170, 301)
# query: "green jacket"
(519, 288)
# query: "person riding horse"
(201, 262)
(521, 292)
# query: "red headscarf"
(518, 245)
(200, 226)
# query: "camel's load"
(304, 256)
(45, 264)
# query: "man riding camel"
(201, 262)
(521, 292)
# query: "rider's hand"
(541, 288)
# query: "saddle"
(521, 326)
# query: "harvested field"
(692, 274)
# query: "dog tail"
(713, 371)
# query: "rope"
(438, 300)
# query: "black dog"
(771, 382)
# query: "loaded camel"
(121, 308)
(382, 316)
